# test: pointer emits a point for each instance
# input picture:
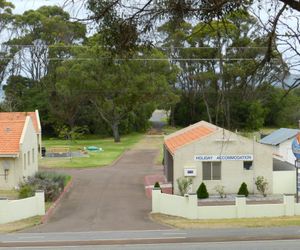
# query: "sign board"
(247, 157)
(188, 172)
(296, 147)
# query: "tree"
(117, 87)
(36, 30)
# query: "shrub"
(220, 190)
(26, 191)
(183, 185)
(156, 185)
(243, 190)
(50, 182)
(262, 185)
(202, 192)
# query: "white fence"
(13, 210)
(284, 182)
(187, 207)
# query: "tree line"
(110, 82)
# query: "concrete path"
(108, 198)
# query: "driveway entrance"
(108, 198)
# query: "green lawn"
(111, 151)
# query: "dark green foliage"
(26, 191)
(50, 182)
(156, 185)
(202, 192)
(243, 190)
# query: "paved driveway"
(109, 198)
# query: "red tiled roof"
(20, 116)
(190, 135)
(10, 135)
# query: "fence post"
(289, 205)
(40, 202)
(156, 193)
(4, 210)
(192, 206)
(240, 203)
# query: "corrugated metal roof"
(279, 136)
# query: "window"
(24, 161)
(247, 165)
(28, 157)
(33, 155)
(211, 170)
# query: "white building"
(216, 156)
(18, 149)
(280, 141)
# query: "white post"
(192, 206)
(40, 202)
(156, 192)
(4, 210)
(240, 203)
(289, 205)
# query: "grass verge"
(20, 225)
(182, 223)
(10, 194)
(111, 151)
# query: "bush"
(183, 185)
(221, 191)
(202, 192)
(26, 191)
(243, 190)
(156, 185)
(262, 185)
(50, 182)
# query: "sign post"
(296, 151)
(297, 163)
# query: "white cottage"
(18, 150)
(210, 154)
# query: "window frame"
(213, 166)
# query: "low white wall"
(187, 207)
(13, 210)
(284, 182)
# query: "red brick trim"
(50, 211)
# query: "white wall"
(232, 172)
(13, 210)
(284, 182)
(187, 207)
(285, 149)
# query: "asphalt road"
(245, 245)
(234, 238)
(108, 198)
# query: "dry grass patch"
(20, 225)
(182, 223)
(10, 194)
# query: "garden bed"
(215, 200)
